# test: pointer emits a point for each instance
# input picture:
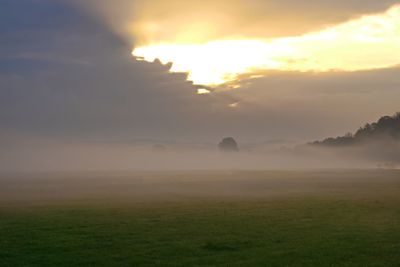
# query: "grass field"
(271, 218)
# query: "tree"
(228, 144)
(385, 127)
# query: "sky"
(67, 73)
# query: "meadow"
(199, 218)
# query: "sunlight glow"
(234, 105)
(369, 42)
(203, 91)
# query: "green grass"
(336, 229)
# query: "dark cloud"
(321, 104)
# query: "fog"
(36, 155)
(114, 188)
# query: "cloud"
(142, 21)
(367, 42)
(321, 104)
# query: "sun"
(216, 62)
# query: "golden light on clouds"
(203, 91)
(369, 42)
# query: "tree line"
(385, 127)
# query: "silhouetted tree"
(387, 126)
(228, 144)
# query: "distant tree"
(364, 132)
(385, 127)
(228, 144)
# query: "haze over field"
(59, 189)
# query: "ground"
(221, 218)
